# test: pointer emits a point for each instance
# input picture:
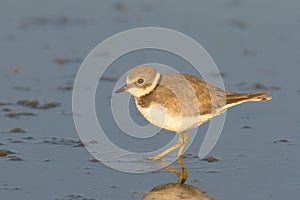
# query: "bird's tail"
(234, 98)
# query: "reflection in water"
(176, 191)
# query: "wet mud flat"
(41, 155)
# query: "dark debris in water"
(28, 138)
(54, 21)
(5, 103)
(282, 141)
(63, 141)
(74, 197)
(26, 103)
(14, 158)
(7, 110)
(237, 23)
(212, 171)
(4, 152)
(65, 88)
(263, 87)
(36, 105)
(8, 187)
(94, 160)
(1, 143)
(15, 70)
(32, 104)
(80, 144)
(15, 130)
(107, 78)
(246, 127)
(29, 104)
(62, 60)
(20, 114)
(15, 141)
(246, 117)
(258, 86)
(48, 160)
(218, 74)
(211, 159)
(249, 52)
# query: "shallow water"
(43, 44)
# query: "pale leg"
(185, 138)
(181, 173)
(172, 148)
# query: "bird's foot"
(157, 157)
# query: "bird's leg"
(181, 172)
(172, 148)
(185, 138)
(182, 177)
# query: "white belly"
(160, 117)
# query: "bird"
(179, 102)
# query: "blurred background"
(255, 45)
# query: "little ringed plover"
(179, 102)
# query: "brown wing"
(185, 94)
(217, 100)
(210, 98)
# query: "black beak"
(122, 89)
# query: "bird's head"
(140, 81)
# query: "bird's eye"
(140, 81)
